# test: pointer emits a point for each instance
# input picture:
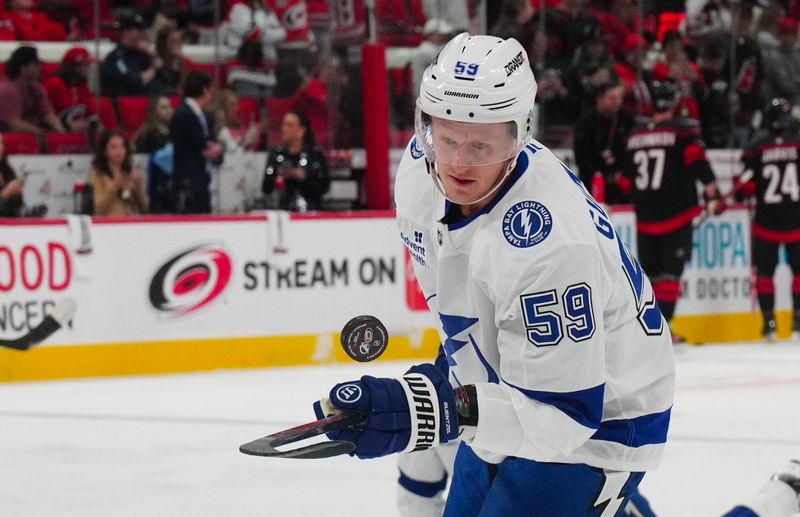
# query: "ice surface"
(167, 445)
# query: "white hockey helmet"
(478, 79)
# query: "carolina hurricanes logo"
(190, 280)
(296, 17)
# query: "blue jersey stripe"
(584, 406)
(422, 488)
(489, 370)
(634, 432)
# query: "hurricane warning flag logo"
(526, 224)
(190, 280)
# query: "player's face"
(471, 158)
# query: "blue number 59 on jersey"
(544, 326)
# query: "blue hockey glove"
(412, 413)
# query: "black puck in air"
(364, 338)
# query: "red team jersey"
(774, 160)
(293, 15)
(663, 162)
(71, 103)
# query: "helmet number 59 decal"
(462, 68)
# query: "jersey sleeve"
(548, 400)
(694, 154)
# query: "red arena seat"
(132, 111)
(22, 143)
(249, 110)
(67, 143)
(108, 117)
(49, 70)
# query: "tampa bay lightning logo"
(349, 393)
(526, 224)
(416, 150)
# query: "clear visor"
(467, 143)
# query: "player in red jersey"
(774, 157)
(665, 157)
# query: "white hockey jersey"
(541, 306)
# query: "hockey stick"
(743, 180)
(266, 446)
(61, 314)
(364, 338)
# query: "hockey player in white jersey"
(560, 372)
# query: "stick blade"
(264, 447)
(267, 446)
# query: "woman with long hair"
(118, 187)
(235, 134)
(11, 202)
(297, 167)
(153, 134)
(169, 48)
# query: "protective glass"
(467, 144)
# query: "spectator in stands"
(591, 68)
(715, 104)
(782, 65)
(193, 137)
(253, 19)
(515, 21)
(68, 90)
(437, 32)
(748, 69)
(713, 16)
(566, 26)
(11, 202)
(297, 167)
(336, 119)
(678, 67)
(553, 95)
(621, 21)
(154, 132)
(767, 28)
(235, 135)
(130, 68)
(24, 105)
(118, 188)
(599, 143)
(153, 138)
(32, 25)
(173, 71)
(630, 70)
(250, 75)
(298, 49)
(72, 15)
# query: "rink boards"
(170, 294)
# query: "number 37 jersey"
(664, 162)
(541, 306)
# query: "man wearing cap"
(25, 106)
(130, 68)
(782, 64)
(68, 90)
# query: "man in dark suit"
(192, 135)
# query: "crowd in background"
(593, 60)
